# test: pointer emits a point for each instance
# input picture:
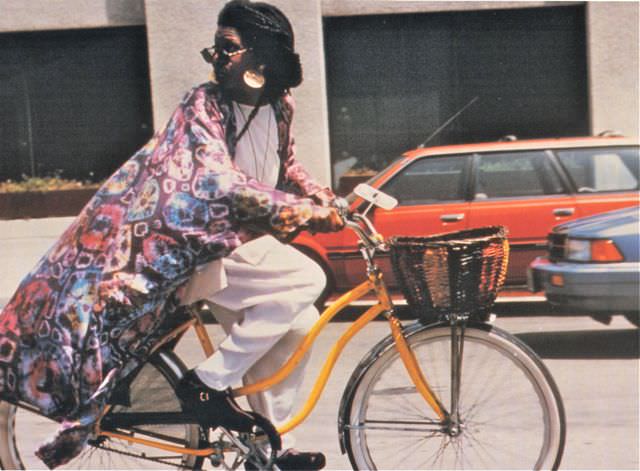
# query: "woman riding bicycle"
(194, 204)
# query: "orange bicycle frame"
(374, 283)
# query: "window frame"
(467, 170)
(571, 183)
(544, 154)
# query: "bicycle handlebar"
(361, 225)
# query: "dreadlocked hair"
(268, 32)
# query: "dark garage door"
(394, 79)
(72, 102)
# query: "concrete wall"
(34, 15)
(389, 7)
(614, 66)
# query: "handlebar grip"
(342, 205)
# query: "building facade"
(83, 83)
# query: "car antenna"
(447, 122)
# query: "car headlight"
(578, 250)
(594, 250)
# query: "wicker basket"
(458, 272)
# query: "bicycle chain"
(133, 455)
(138, 456)
(268, 430)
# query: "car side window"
(515, 174)
(429, 180)
(602, 169)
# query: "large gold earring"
(254, 79)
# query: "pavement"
(595, 367)
(22, 243)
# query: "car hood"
(606, 225)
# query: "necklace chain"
(253, 147)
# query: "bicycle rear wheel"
(152, 390)
(511, 412)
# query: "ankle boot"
(211, 407)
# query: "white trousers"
(266, 309)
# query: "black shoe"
(300, 460)
(210, 407)
(294, 460)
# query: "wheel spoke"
(399, 426)
(151, 393)
(506, 399)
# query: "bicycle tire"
(152, 389)
(511, 410)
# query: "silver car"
(593, 264)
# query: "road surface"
(594, 365)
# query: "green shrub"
(49, 183)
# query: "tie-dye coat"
(100, 298)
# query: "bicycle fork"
(449, 418)
(457, 347)
(414, 370)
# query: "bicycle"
(447, 391)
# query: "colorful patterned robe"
(102, 296)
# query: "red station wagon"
(529, 186)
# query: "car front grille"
(555, 244)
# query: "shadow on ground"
(587, 344)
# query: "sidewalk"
(22, 243)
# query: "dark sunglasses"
(209, 53)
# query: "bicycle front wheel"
(510, 411)
(152, 390)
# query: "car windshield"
(351, 197)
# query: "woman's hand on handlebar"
(324, 197)
(325, 219)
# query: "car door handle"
(452, 217)
(564, 211)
